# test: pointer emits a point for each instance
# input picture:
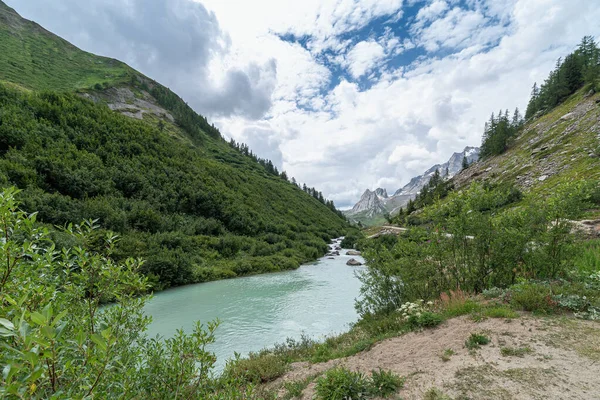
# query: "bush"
(385, 383)
(257, 368)
(534, 297)
(476, 340)
(342, 384)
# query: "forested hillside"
(194, 206)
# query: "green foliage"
(191, 215)
(385, 383)
(257, 368)
(500, 312)
(294, 389)
(498, 133)
(342, 384)
(535, 297)
(352, 239)
(476, 340)
(59, 343)
(587, 257)
(473, 243)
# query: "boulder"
(331, 258)
(338, 248)
(352, 262)
(353, 253)
(567, 116)
(590, 228)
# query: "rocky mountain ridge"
(373, 206)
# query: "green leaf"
(7, 324)
(99, 340)
(38, 318)
(6, 333)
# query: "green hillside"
(194, 206)
(553, 149)
(35, 58)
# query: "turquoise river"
(259, 311)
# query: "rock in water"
(353, 253)
(352, 262)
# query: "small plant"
(534, 297)
(417, 314)
(592, 314)
(435, 394)
(571, 302)
(493, 293)
(342, 384)
(515, 351)
(447, 354)
(257, 368)
(385, 383)
(476, 340)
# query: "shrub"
(385, 383)
(342, 384)
(476, 340)
(417, 315)
(534, 297)
(257, 368)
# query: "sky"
(343, 95)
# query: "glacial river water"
(258, 311)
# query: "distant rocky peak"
(368, 201)
(381, 193)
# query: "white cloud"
(363, 57)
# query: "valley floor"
(527, 358)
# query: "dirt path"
(549, 359)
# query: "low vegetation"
(342, 384)
(476, 340)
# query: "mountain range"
(373, 206)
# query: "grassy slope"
(37, 59)
(283, 221)
(565, 146)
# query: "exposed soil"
(544, 358)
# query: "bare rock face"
(352, 262)
(369, 201)
(589, 228)
(353, 253)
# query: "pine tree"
(533, 106)
(465, 163)
(517, 120)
